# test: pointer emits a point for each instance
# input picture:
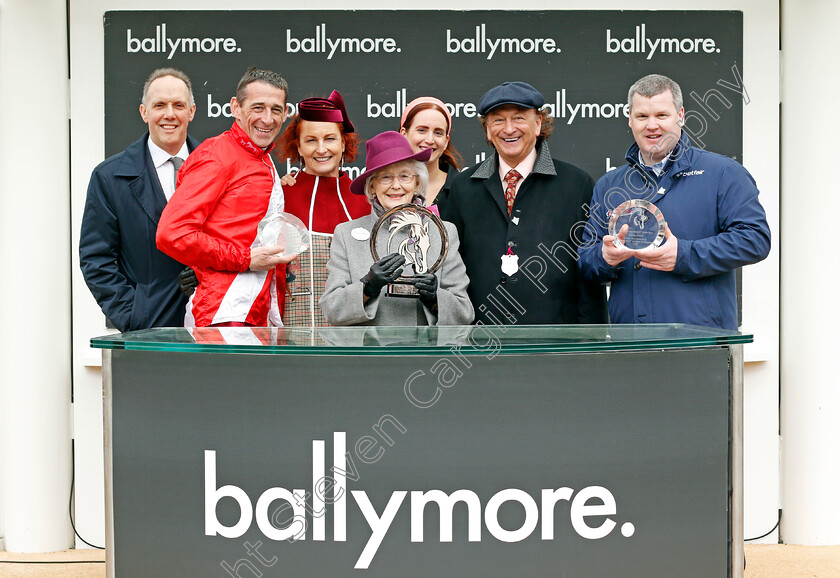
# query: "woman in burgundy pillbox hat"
(321, 138)
(355, 292)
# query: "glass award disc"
(646, 225)
(284, 230)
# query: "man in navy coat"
(135, 284)
(519, 215)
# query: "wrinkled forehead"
(265, 94)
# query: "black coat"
(550, 212)
(135, 284)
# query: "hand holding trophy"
(410, 239)
(283, 230)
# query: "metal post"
(109, 463)
(736, 445)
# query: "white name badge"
(360, 234)
(510, 264)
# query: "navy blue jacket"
(135, 284)
(710, 203)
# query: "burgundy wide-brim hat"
(386, 149)
(330, 109)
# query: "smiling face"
(167, 110)
(656, 124)
(395, 184)
(321, 146)
(261, 113)
(428, 130)
(513, 131)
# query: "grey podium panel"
(649, 430)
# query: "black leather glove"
(427, 285)
(187, 281)
(384, 271)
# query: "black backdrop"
(582, 61)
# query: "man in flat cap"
(518, 214)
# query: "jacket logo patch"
(690, 173)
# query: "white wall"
(810, 318)
(761, 282)
(35, 357)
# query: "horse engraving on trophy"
(415, 247)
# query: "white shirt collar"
(160, 156)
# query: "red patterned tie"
(511, 178)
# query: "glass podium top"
(447, 340)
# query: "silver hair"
(653, 85)
(422, 180)
(161, 72)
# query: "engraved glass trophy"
(645, 225)
(284, 230)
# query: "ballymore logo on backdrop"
(162, 43)
(481, 43)
(299, 511)
(640, 43)
(321, 43)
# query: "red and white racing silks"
(225, 188)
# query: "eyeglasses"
(387, 180)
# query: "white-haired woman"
(355, 292)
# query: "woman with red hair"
(321, 137)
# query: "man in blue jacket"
(715, 222)
(135, 284)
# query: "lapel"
(359, 251)
(488, 171)
(136, 166)
(144, 183)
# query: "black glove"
(384, 271)
(187, 281)
(427, 285)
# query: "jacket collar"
(133, 161)
(681, 157)
(245, 141)
(543, 166)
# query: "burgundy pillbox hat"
(330, 109)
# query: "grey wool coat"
(350, 260)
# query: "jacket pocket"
(139, 309)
